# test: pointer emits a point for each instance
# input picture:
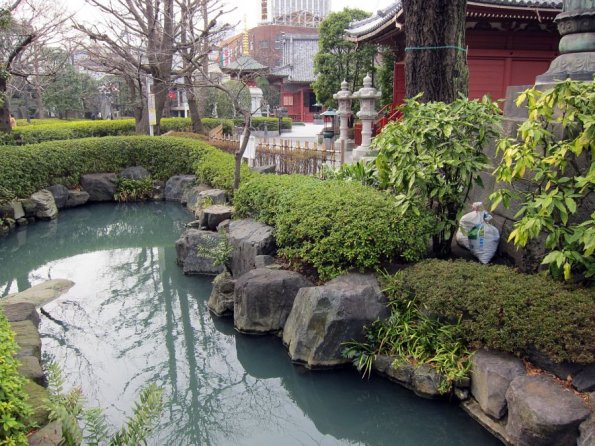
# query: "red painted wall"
(497, 60)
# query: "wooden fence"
(288, 156)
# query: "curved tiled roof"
(375, 21)
(388, 14)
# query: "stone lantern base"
(363, 152)
(576, 66)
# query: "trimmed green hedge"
(333, 226)
(14, 409)
(505, 310)
(41, 130)
(217, 169)
(58, 130)
(272, 124)
(26, 169)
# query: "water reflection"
(133, 317)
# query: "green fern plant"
(67, 408)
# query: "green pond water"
(134, 318)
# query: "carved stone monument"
(367, 96)
(343, 97)
(576, 24)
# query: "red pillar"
(302, 104)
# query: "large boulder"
(212, 216)
(249, 239)
(41, 294)
(76, 198)
(45, 206)
(587, 432)
(31, 368)
(400, 373)
(29, 207)
(543, 413)
(177, 185)
(491, 374)
(60, 194)
(135, 173)
(426, 381)
(18, 211)
(21, 311)
(192, 196)
(189, 257)
(222, 295)
(99, 186)
(584, 381)
(325, 317)
(49, 435)
(264, 298)
(27, 338)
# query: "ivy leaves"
(554, 153)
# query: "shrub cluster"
(25, 169)
(504, 310)
(272, 124)
(333, 226)
(217, 169)
(14, 409)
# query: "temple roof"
(298, 58)
(387, 18)
(244, 63)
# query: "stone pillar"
(343, 97)
(576, 25)
(256, 101)
(367, 96)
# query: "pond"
(133, 317)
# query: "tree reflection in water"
(133, 317)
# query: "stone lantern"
(367, 96)
(576, 25)
(343, 97)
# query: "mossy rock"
(37, 396)
(27, 339)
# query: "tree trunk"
(4, 108)
(435, 53)
(197, 126)
(240, 152)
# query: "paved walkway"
(304, 133)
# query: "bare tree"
(25, 27)
(139, 37)
(200, 29)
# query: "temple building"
(509, 42)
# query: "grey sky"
(248, 8)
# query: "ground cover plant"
(505, 310)
(333, 226)
(14, 409)
(128, 189)
(558, 165)
(441, 310)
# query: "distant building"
(306, 13)
(295, 76)
(264, 44)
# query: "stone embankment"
(21, 311)
(521, 409)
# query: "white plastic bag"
(477, 235)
